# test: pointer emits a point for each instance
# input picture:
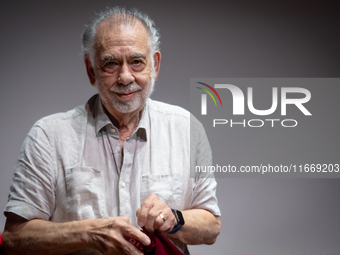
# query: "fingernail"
(147, 241)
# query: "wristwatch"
(180, 221)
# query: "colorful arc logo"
(204, 97)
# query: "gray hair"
(120, 16)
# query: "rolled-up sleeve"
(204, 191)
(32, 190)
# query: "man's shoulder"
(167, 110)
(173, 112)
(56, 120)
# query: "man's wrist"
(179, 219)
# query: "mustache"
(125, 89)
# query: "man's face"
(122, 68)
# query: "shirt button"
(113, 130)
(123, 185)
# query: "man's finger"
(150, 221)
(159, 222)
(143, 212)
(137, 235)
(136, 243)
(167, 224)
(138, 212)
(129, 248)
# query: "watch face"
(180, 218)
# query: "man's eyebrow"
(109, 57)
(137, 55)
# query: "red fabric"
(2, 251)
(160, 245)
(136, 243)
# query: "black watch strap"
(180, 221)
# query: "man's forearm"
(44, 237)
(201, 227)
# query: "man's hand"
(36, 236)
(107, 235)
(149, 215)
(201, 226)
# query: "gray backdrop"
(42, 72)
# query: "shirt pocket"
(167, 187)
(85, 193)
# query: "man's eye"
(110, 67)
(137, 62)
(111, 63)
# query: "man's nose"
(125, 76)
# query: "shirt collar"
(101, 119)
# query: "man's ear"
(157, 62)
(89, 70)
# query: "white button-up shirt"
(71, 165)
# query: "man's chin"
(126, 106)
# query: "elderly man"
(86, 179)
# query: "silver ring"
(161, 215)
